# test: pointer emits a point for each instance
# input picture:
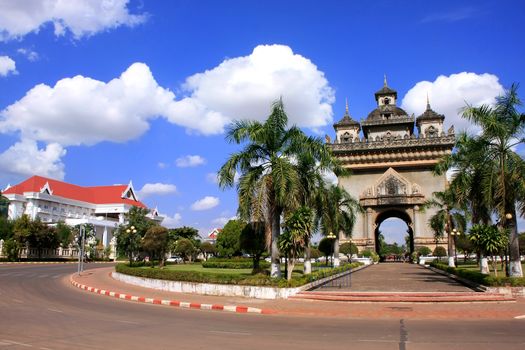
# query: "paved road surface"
(396, 277)
(40, 310)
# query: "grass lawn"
(471, 265)
(197, 267)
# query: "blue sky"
(105, 92)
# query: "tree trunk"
(336, 252)
(307, 268)
(276, 231)
(290, 265)
(514, 248)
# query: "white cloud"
(221, 221)
(7, 66)
(162, 165)
(172, 221)
(79, 17)
(244, 88)
(205, 203)
(448, 94)
(159, 189)
(82, 110)
(212, 178)
(330, 177)
(25, 158)
(190, 161)
(29, 54)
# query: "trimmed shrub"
(240, 264)
(479, 278)
(238, 279)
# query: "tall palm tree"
(446, 219)
(339, 214)
(502, 177)
(269, 181)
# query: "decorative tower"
(347, 129)
(392, 169)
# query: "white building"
(53, 201)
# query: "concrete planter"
(257, 292)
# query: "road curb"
(51, 262)
(175, 303)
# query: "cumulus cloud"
(31, 55)
(212, 178)
(205, 203)
(25, 158)
(172, 221)
(244, 87)
(448, 94)
(7, 66)
(79, 17)
(158, 189)
(221, 221)
(82, 110)
(190, 161)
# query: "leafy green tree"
(22, 229)
(155, 242)
(4, 206)
(339, 213)
(326, 247)
(348, 249)
(498, 169)
(6, 228)
(489, 240)
(64, 233)
(315, 253)
(269, 181)
(184, 232)
(440, 252)
(207, 249)
(128, 241)
(424, 251)
(42, 237)
(253, 242)
(447, 217)
(184, 248)
(228, 240)
(137, 217)
(296, 235)
(11, 249)
(465, 245)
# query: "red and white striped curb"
(182, 304)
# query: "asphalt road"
(40, 310)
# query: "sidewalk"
(104, 284)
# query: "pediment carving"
(392, 184)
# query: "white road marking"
(232, 333)
(55, 310)
(521, 317)
(17, 343)
(130, 322)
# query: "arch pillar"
(415, 220)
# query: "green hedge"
(479, 278)
(245, 280)
(233, 264)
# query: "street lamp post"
(129, 230)
(331, 237)
(455, 233)
(81, 249)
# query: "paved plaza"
(397, 277)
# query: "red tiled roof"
(213, 234)
(95, 195)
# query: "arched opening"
(394, 237)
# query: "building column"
(415, 215)
(369, 223)
(105, 237)
(121, 218)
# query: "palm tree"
(498, 171)
(297, 232)
(339, 214)
(269, 181)
(446, 219)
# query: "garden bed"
(479, 278)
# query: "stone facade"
(392, 167)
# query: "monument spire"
(346, 109)
(384, 82)
(428, 103)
